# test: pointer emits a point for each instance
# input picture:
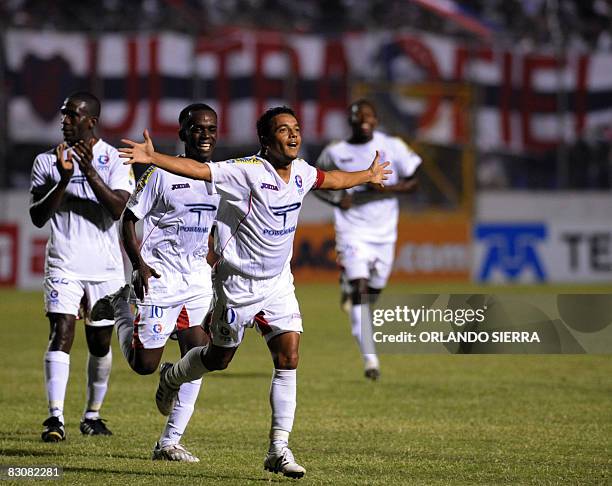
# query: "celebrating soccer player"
(81, 188)
(261, 197)
(171, 277)
(366, 218)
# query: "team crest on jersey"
(299, 183)
(103, 159)
(144, 178)
(158, 328)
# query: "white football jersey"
(259, 212)
(177, 215)
(372, 221)
(84, 241)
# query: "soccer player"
(366, 218)
(171, 277)
(261, 199)
(81, 189)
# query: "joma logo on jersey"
(184, 185)
(200, 208)
(272, 187)
(283, 210)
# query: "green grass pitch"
(432, 419)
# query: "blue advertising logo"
(283, 210)
(199, 208)
(511, 249)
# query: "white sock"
(98, 373)
(283, 392)
(181, 413)
(57, 369)
(189, 368)
(362, 331)
(124, 324)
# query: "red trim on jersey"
(237, 227)
(136, 344)
(262, 323)
(319, 180)
(183, 320)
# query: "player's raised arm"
(144, 153)
(339, 179)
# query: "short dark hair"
(92, 103)
(361, 102)
(186, 112)
(264, 124)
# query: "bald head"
(89, 103)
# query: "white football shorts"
(63, 295)
(240, 302)
(372, 261)
(153, 324)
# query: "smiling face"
(363, 121)
(200, 135)
(283, 144)
(77, 123)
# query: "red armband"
(319, 180)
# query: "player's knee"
(287, 360)
(143, 369)
(61, 333)
(217, 363)
(359, 288)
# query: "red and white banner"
(145, 80)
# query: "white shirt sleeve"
(121, 176)
(230, 179)
(325, 162)
(148, 190)
(406, 161)
(40, 180)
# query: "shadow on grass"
(28, 452)
(58, 450)
(195, 474)
(240, 374)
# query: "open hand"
(84, 152)
(137, 153)
(140, 280)
(379, 171)
(65, 165)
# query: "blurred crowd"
(582, 24)
(570, 24)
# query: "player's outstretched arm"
(144, 153)
(339, 179)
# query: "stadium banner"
(432, 248)
(145, 79)
(562, 237)
(491, 324)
